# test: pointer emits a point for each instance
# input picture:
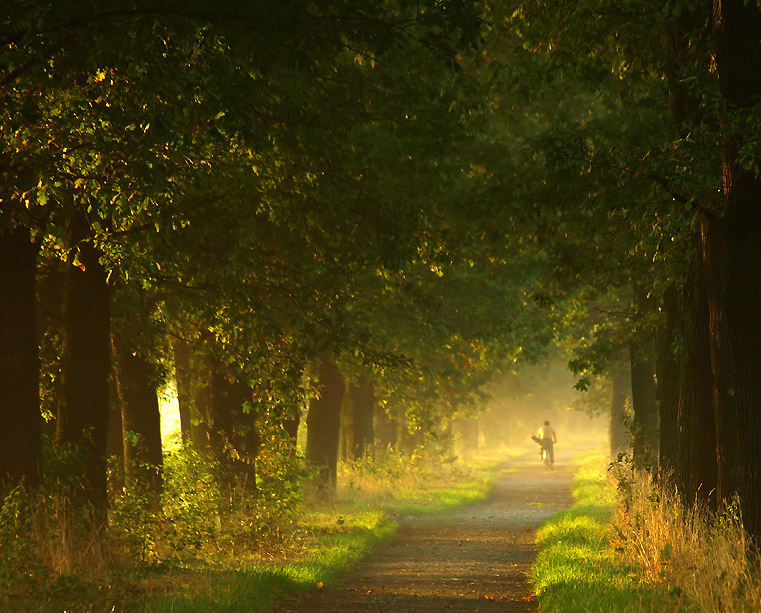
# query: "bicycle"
(546, 458)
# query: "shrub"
(191, 500)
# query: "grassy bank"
(643, 550)
(329, 539)
(577, 568)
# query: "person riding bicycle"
(547, 438)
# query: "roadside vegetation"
(630, 544)
(196, 551)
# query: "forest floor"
(473, 559)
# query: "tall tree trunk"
(324, 423)
(467, 428)
(620, 437)
(644, 396)
(667, 367)
(346, 438)
(737, 35)
(115, 441)
(200, 408)
(20, 421)
(233, 436)
(363, 408)
(291, 425)
(83, 419)
(182, 378)
(386, 430)
(141, 419)
(695, 467)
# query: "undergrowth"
(629, 544)
(703, 556)
(197, 548)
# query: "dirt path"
(473, 559)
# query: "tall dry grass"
(703, 556)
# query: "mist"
(520, 401)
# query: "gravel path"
(473, 559)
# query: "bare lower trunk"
(620, 436)
(363, 409)
(233, 435)
(695, 467)
(182, 377)
(20, 422)
(644, 393)
(324, 423)
(141, 420)
(667, 366)
(83, 419)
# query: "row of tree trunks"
(20, 422)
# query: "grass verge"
(577, 569)
(333, 539)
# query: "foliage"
(281, 473)
(190, 500)
(135, 516)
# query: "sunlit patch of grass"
(334, 537)
(577, 569)
(335, 543)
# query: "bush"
(191, 500)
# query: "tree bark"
(386, 430)
(667, 367)
(139, 404)
(182, 377)
(620, 436)
(467, 428)
(114, 441)
(233, 436)
(363, 409)
(346, 437)
(695, 465)
(324, 423)
(20, 421)
(644, 396)
(83, 419)
(737, 36)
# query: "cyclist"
(547, 438)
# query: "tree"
(20, 421)
(324, 423)
(732, 253)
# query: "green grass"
(336, 545)
(337, 537)
(576, 569)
